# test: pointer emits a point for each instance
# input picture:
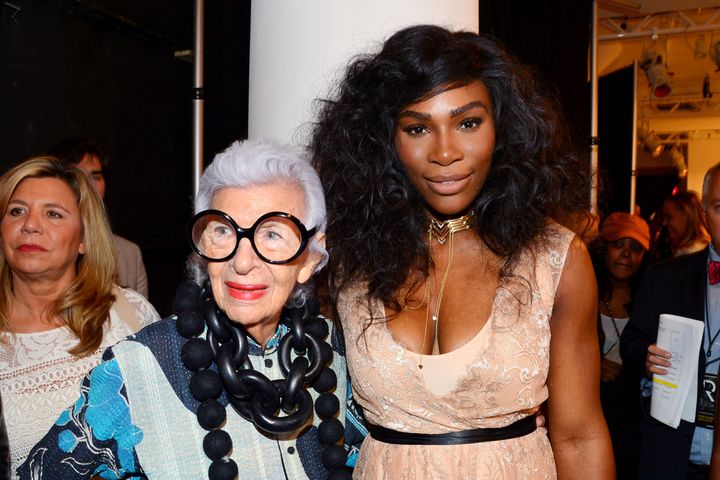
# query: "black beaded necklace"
(252, 395)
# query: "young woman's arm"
(577, 429)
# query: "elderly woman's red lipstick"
(245, 291)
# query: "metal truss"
(657, 24)
(685, 136)
(690, 105)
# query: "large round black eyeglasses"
(276, 237)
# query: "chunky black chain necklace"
(252, 395)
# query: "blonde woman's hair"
(84, 305)
(688, 202)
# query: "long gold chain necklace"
(441, 231)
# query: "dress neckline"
(480, 333)
(49, 331)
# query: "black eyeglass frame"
(249, 233)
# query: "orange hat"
(624, 225)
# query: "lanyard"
(710, 336)
(615, 327)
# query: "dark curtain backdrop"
(554, 37)
(615, 119)
(106, 69)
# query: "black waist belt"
(518, 429)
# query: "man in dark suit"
(688, 286)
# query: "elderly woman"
(464, 304)
(226, 387)
(59, 307)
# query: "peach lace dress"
(493, 380)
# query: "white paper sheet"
(674, 396)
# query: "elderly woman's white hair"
(265, 162)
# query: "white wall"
(701, 156)
(298, 48)
(703, 150)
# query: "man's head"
(711, 203)
(85, 154)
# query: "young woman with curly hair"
(464, 304)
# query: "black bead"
(312, 306)
(217, 444)
(211, 414)
(330, 431)
(268, 362)
(327, 405)
(317, 327)
(339, 474)
(205, 385)
(327, 353)
(326, 381)
(334, 456)
(185, 296)
(190, 324)
(223, 470)
(196, 354)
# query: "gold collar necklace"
(441, 230)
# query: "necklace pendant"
(441, 230)
(420, 366)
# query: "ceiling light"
(678, 160)
(656, 72)
(650, 142)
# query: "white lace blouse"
(39, 379)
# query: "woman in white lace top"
(59, 307)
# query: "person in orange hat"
(619, 260)
(625, 238)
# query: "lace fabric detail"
(39, 379)
(146, 313)
(492, 381)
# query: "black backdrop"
(615, 120)
(106, 69)
(554, 37)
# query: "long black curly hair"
(377, 220)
